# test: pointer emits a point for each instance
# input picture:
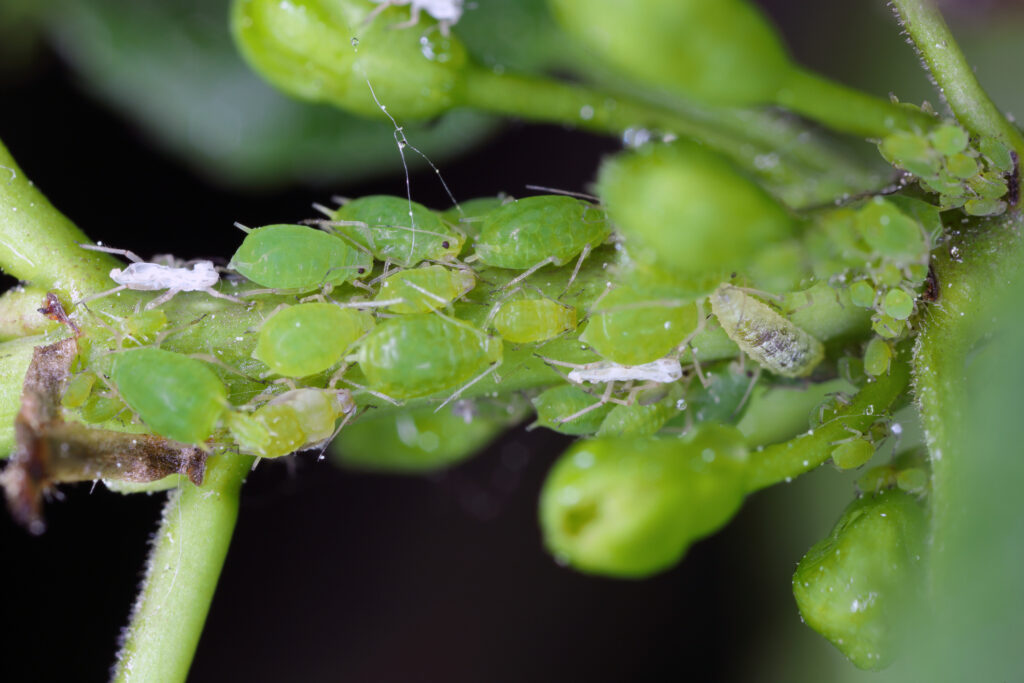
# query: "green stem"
(974, 269)
(38, 244)
(540, 99)
(845, 109)
(788, 460)
(188, 553)
(956, 80)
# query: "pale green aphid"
(632, 327)
(144, 326)
(174, 395)
(298, 258)
(303, 340)
(852, 454)
(528, 234)
(527, 321)
(422, 354)
(78, 389)
(396, 230)
(294, 420)
(639, 418)
(774, 342)
(877, 357)
(554, 405)
(419, 290)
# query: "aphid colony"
(384, 301)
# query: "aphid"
(527, 321)
(632, 328)
(292, 421)
(298, 258)
(151, 277)
(567, 409)
(644, 416)
(174, 395)
(447, 12)
(528, 234)
(395, 230)
(422, 354)
(661, 371)
(305, 339)
(425, 289)
(771, 340)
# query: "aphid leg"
(130, 255)
(227, 297)
(430, 295)
(528, 272)
(162, 299)
(468, 384)
(93, 297)
(561, 363)
(855, 434)
(696, 366)
(576, 270)
(371, 392)
(414, 19)
(605, 398)
(244, 228)
(748, 392)
(334, 435)
(375, 12)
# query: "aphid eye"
(360, 270)
(445, 244)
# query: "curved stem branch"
(954, 76)
(38, 244)
(188, 553)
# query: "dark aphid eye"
(445, 244)
(360, 270)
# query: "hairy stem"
(38, 244)
(785, 461)
(188, 552)
(954, 76)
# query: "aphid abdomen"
(297, 257)
(526, 321)
(771, 340)
(525, 232)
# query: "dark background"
(336, 575)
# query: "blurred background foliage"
(168, 70)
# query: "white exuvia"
(662, 371)
(447, 12)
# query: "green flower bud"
(324, 51)
(855, 586)
(631, 507)
(689, 209)
(722, 52)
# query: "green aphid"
(984, 207)
(945, 185)
(298, 258)
(422, 354)
(779, 267)
(567, 409)
(468, 217)
(773, 341)
(891, 233)
(396, 230)
(529, 233)
(988, 186)
(305, 339)
(645, 416)
(912, 480)
(174, 395)
(532, 320)
(100, 408)
(877, 357)
(888, 327)
(852, 454)
(78, 389)
(962, 166)
(912, 152)
(723, 398)
(632, 326)
(898, 304)
(631, 507)
(292, 421)
(857, 586)
(422, 439)
(424, 289)
(949, 139)
(888, 275)
(998, 154)
(863, 294)
(144, 326)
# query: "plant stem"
(845, 109)
(954, 76)
(188, 553)
(785, 461)
(38, 244)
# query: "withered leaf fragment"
(50, 451)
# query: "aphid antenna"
(370, 304)
(244, 228)
(606, 396)
(100, 295)
(371, 392)
(323, 209)
(567, 193)
(468, 384)
(130, 255)
(576, 271)
(748, 392)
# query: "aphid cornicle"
(383, 225)
(298, 258)
(527, 234)
(305, 339)
(774, 342)
(422, 354)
